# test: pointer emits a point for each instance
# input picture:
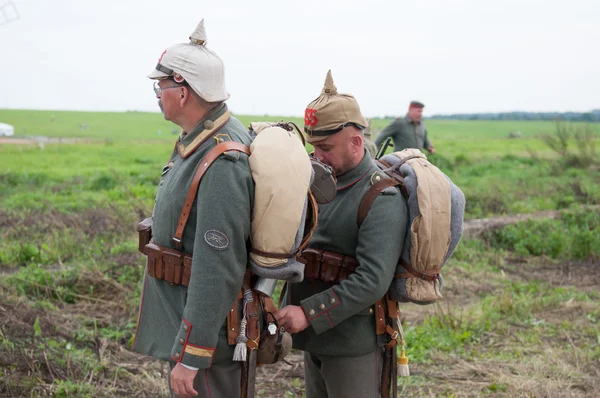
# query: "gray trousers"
(222, 380)
(343, 377)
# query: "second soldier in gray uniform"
(332, 313)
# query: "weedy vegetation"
(521, 310)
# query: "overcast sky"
(456, 56)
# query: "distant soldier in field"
(407, 132)
(197, 256)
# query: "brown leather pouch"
(156, 266)
(144, 229)
(312, 269)
(233, 320)
(173, 264)
(349, 265)
(187, 270)
(253, 325)
(330, 266)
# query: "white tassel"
(402, 359)
(241, 349)
(239, 354)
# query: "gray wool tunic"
(342, 320)
(187, 325)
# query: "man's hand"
(431, 149)
(292, 318)
(182, 381)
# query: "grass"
(520, 315)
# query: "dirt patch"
(34, 346)
(476, 228)
(15, 141)
(562, 376)
(17, 320)
(40, 140)
(90, 223)
(584, 275)
(281, 379)
(451, 376)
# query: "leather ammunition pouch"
(327, 266)
(163, 263)
(144, 229)
(173, 266)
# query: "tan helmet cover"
(330, 111)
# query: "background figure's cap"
(416, 104)
(331, 112)
(193, 62)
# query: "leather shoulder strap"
(374, 191)
(210, 157)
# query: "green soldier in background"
(407, 132)
(333, 312)
(196, 268)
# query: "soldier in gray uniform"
(333, 313)
(196, 268)
(407, 132)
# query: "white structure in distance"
(6, 130)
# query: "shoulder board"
(380, 175)
(230, 155)
(377, 176)
(222, 137)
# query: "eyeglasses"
(158, 89)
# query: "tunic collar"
(205, 128)
(353, 176)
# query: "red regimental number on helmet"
(310, 118)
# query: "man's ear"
(184, 94)
(357, 141)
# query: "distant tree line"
(592, 116)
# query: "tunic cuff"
(317, 309)
(183, 351)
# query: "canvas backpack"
(288, 186)
(435, 211)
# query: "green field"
(521, 311)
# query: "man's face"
(337, 150)
(415, 113)
(168, 94)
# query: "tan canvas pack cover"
(282, 171)
(430, 230)
(436, 213)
